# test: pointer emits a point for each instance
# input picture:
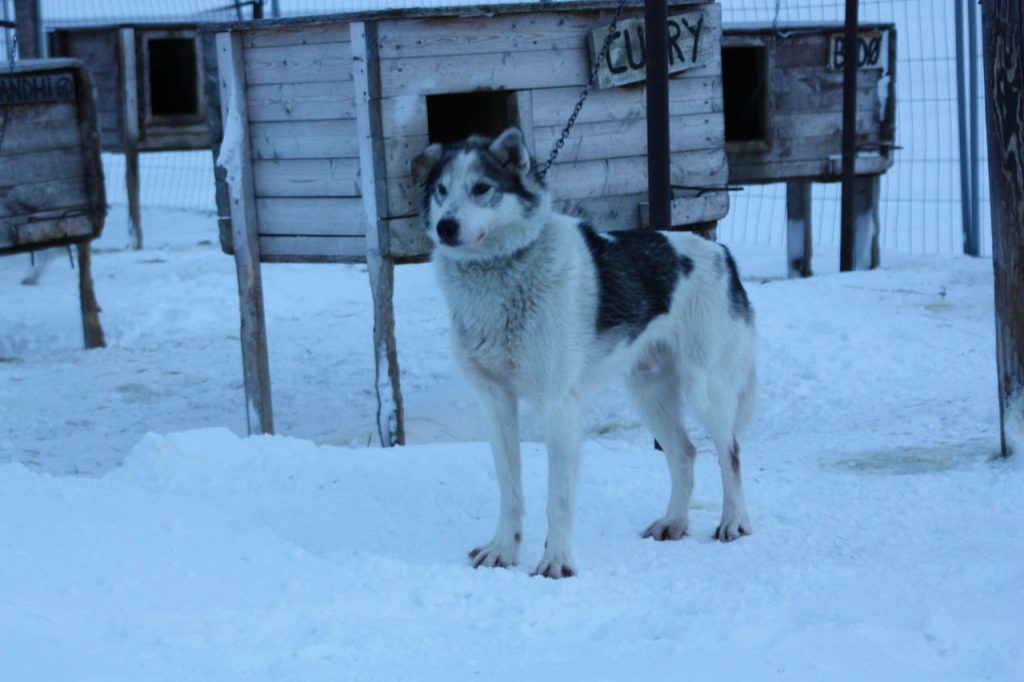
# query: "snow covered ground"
(142, 538)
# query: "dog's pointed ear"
(425, 162)
(510, 149)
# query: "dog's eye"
(442, 191)
(480, 189)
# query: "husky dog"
(543, 307)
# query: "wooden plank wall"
(99, 50)
(602, 169)
(303, 141)
(807, 119)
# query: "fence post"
(659, 191)
(972, 107)
(966, 169)
(848, 226)
(1002, 21)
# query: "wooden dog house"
(51, 178)
(783, 98)
(150, 90)
(317, 121)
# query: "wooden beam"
(130, 116)
(379, 261)
(30, 29)
(92, 330)
(236, 160)
(798, 228)
(1002, 23)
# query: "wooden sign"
(625, 61)
(873, 51)
(30, 89)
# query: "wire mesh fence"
(920, 196)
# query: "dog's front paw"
(556, 565)
(495, 555)
(733, 527)
(668, 528)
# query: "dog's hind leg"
(654, 385)
(719, 415)
(501, 414)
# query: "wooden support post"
(798, 228)
(1002, 24)
(380, 264)
(866, 222)
(130, 123)
(235, 160)
(92, 330)
(30, 29)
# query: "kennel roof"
(428, 12)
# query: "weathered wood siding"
(602, 170)
(51, 182)
(304, 136)
(99, 50)
(304, 146)
(805, 109)
(103, 51)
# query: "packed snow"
(144, 537)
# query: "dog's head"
(482, 198)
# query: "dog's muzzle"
(448, 231)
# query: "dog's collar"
(497, 262)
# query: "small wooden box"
(51, 178)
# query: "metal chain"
(560, 142)
(10, 58)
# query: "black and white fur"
(544, 308)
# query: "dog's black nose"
(448, 231)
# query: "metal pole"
(659, 191)
(275, 8)
(257, 9)
(972, 107)
(969, 228)
(848, 232)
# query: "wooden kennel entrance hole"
(744, 91)
(171, 62)
(454, 117)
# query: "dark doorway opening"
(745, 93)
(173, 86)
(451, 118)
